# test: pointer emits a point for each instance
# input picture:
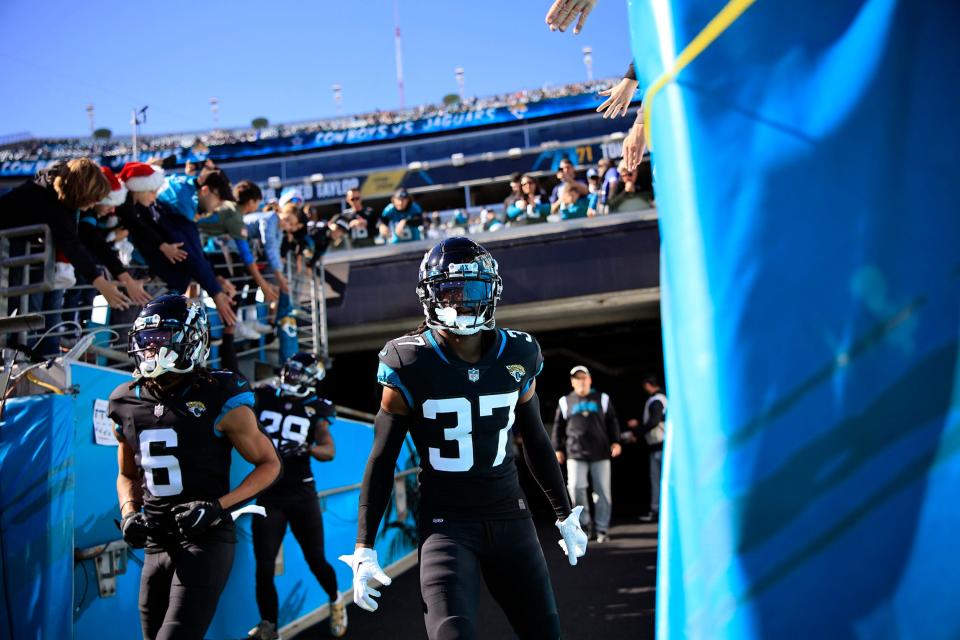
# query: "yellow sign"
(382, 183)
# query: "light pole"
(460, 83)
(90, 117)
(138, 118)
(398, 51)
(215, 112)
(588, 62)
(338, 98)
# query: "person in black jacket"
(54, 197)
(586, 435)
(153, 224)
(91, 235)
(654, 415)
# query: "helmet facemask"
(299, 379)
(164, 345)
(463, 301)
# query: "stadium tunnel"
(588, 291)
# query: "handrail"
(326, 493)
(354, 413)
(90, 553)
(45, 258)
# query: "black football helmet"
(301, 374)
(459, 286)
(170, 335)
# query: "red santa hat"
(118, 192)
(140, 176)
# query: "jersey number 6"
(461, 432)
(151, 463)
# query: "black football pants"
(507, 554)
(306, 523)
(180, 588)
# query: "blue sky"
(276, 59)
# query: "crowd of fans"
(57, 149)
(130, 235)
(606, 189)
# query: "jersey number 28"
(461, 432)
(294, 428)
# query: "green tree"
(259, 123)
(451, 99)
(102, 134)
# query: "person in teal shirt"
(572, 206)
(529, 207)
(402, 219)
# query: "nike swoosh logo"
(240, 383)
(200, 513)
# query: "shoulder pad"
(403, 351)
(324, 407)
(230, 381)
(265, 391)
(121, 391)
(525, 346)
(394, 356)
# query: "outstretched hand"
(563, 12)
(618, 102)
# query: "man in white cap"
(586, 435)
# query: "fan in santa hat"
(140, 176)
(118, 192)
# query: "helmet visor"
(293, 373)
(463, 293)
(149, 340)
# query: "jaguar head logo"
(196, 408)
(517, 371)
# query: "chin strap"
(164, 362)
(460, 325)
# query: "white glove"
(574, 542)
(366, 568)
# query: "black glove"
(193, 518)
(135, 528)
(291, 448)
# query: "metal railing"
(110, 558)
(20, 262)
(27, 268)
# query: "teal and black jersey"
(462, 414)
(180, 455)
(293, 424)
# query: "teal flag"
(807, 169)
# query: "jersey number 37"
(461, 432)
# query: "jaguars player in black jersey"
(298, 422)
(459, 385)
(177, 424)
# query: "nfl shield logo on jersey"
(473, 374)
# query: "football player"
(298, 423)
(459, 386)
(177, 424)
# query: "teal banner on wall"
(48, 443)
(36, 517)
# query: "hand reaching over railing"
(111, 293)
